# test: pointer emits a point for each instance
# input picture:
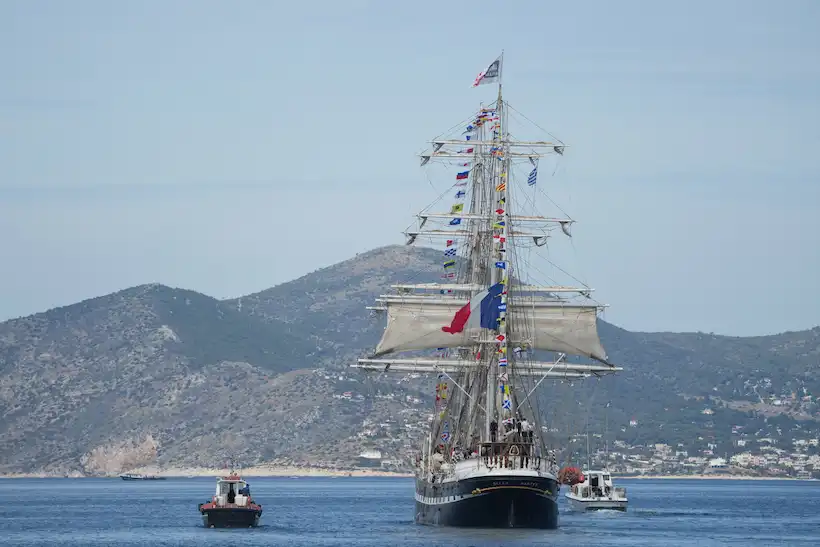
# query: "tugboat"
(597, 492)
(231, 506)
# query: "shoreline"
(194, 472)
(304, 472)
(709, 477)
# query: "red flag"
(449, 242)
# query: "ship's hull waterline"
(596, 505)
(489, 502)
(221, 517)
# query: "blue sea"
(379, 512)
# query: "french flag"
(480, 312)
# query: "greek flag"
(532, 177)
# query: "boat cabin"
(598, 484)
(232, 490)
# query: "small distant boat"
(140, 477)
(231, 506)
(596, 492)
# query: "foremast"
(526, 316)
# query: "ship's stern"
(489, 502)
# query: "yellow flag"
(501, 187)
(457, 208)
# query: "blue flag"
(532, 177)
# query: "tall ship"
(489, 334)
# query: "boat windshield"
(225, 487)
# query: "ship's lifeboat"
(570, 476)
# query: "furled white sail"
(414, 323)
(570, 329)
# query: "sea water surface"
(379, 512)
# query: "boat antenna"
(606, 438)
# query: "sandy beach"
(273, 471)
(255, 471)
(707, 477)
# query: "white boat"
(597, 492)
(140, 477)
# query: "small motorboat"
(231, 506)
(596, 491)
(140, 477)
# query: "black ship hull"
(233, 517)
(489, 502)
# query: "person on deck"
(493, 430)
(527, 427)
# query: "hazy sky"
(230, 146)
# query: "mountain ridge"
(159, 374)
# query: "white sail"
(415, 323)
(567, 328)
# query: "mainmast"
(496, 373)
